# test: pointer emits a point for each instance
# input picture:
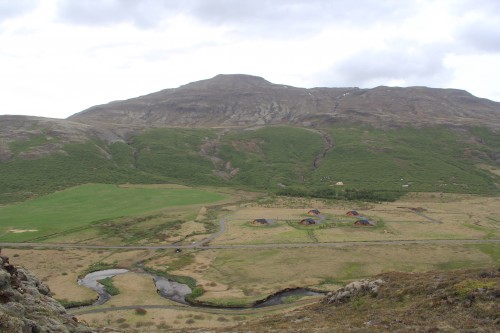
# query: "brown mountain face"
(243, 100)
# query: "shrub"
(140, 311)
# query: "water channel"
(177, 292)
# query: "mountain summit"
(244, 100)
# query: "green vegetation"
(139, 228)
(466, 287)
(174, 155)
(493, 250)
(75, 304)
(98, 266)
(87, 205)
(108, 285)
(373, 164)
(271, 155)
(196, 292)
(372, 159)
(177, 278)
(342, 193)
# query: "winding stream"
(90, 281)
(177, 292)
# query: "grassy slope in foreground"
(80, 206)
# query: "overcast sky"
(59, 57)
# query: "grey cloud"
(483, 35)
(257, 16)
(290, 10)
(479, 25)
(144, 13)
(292, 17)
(421, 67)
(10, 9)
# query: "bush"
(140, 311)
(109, 286)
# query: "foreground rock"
(354, 289)
(26, 305)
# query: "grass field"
(252, 274)
(77, 208)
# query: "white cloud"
(58, 57)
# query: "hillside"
(453, 301)
(289, 160)
(26, 305)
(243, 100)
(243, 131)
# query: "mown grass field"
(82, 206)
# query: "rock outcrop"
(353, 289)
(26, 305)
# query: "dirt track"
(248, 246)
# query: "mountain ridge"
(243, 100)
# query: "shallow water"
(172, 290)
(90, 281)
(177, 292)
(280, 297)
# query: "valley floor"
(245, 262)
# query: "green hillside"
(266, 158)
(430, 159)
(270, 156)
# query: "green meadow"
(81, 206)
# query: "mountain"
(244, 100)
(245, 132)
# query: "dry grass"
(262, 272)
(58, 269)
(249, 274)
(135, 289)
(461, 217)
(160, 320)
(457, 301)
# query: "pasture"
(415, 217)
(78, 208)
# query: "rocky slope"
(453, 301)
(26, 305)
(45, 136)
(243, 100)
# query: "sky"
(59, 57)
